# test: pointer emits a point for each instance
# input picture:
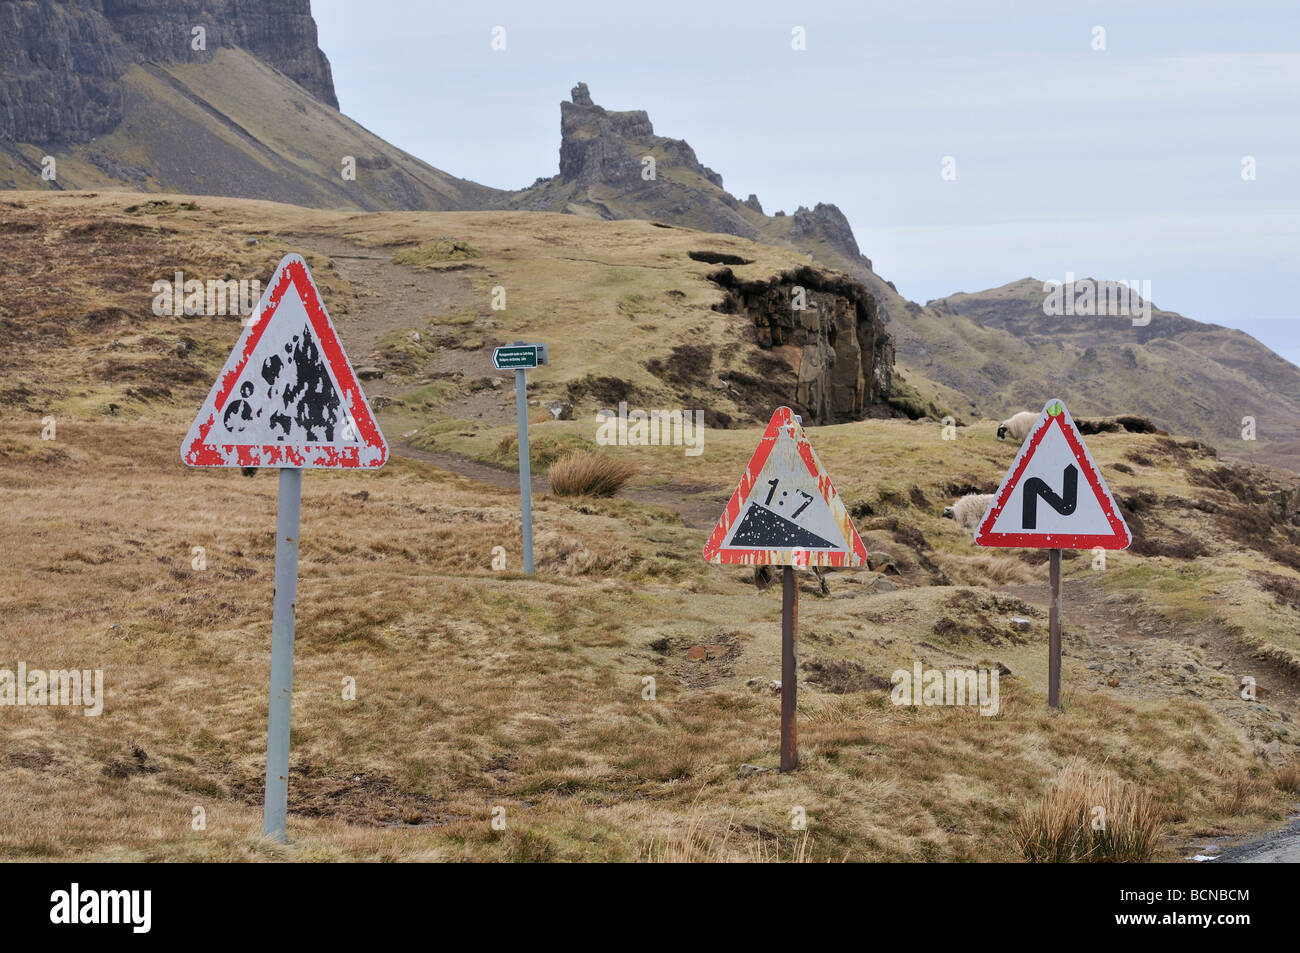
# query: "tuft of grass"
(589, 474)
(543, 452)
(1287, 778)
(444, 249)
(1066, 826)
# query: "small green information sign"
(518, 356)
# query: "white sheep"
(1017, 426)
(969, 510)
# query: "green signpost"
(519, 357)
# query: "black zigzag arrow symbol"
(1065, 505)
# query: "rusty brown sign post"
(785, 512)
(1028, 511)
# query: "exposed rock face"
(281, 33)
(593, 147)
(825, 222)
(115, 92)
(606, 170)
(842, 356)
(580, 95)
(598, 145)
(835, 358)
(60, 61)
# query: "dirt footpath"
(1280, 847)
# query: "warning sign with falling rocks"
(287, 396)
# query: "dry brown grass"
(1087, 816)
(1287, 777)
(701, 843)
(590, 474)
(479, 689)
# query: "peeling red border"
(713, 549)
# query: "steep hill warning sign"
(287, 396)
(1054, 497)
(785, 511)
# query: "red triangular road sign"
(1053, 497)
(287, 396)
(785, 511)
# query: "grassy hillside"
(235, 126)
(638, 308)
(1190, 376)
(479, 689)
(986, 354)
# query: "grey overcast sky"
(1122, 163)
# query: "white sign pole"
(275, 805)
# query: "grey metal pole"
(276, 803)
(525, 468)
(1054, 650)
(789, 670)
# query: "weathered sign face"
(287, 396)
(1053, 497)
(785, 511)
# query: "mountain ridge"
(254, 115)
(113, 93)
(64, 61)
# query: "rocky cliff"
(116, 93)
(281, 33)
(61, 62)
(59, 66)
(832, 359)
(833, 339)
(613, 165)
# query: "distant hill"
(1188, 376)
(984, 354)
(118, 96)
(613, 166)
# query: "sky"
(1121, 163)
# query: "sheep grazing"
(1017, 426)
(969, 510)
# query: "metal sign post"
(520, 357)
(789, 670)
(785, 512)
(525, 467)
(275, 805)
(286, 398)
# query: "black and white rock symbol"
(295, 399)
(760, 528)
